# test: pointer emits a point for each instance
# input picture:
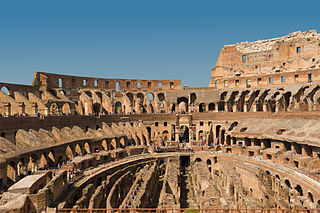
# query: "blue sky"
(137, 39)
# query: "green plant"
(308, 39)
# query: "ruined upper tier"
(290, 59)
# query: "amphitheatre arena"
(249, 142)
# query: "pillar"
(265, 107)
(245, 107)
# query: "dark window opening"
(310, 78)
(165, 124)
(201, 123)
(244, 58)
(298, 49)
(271, 80)
(157, 124)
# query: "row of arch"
(17, 168)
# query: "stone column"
(265, 107)
(245, 107)
(254, 107)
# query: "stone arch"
(22, 168)
(310, 197)
(11, 173)
(43, 162)
(96, 107)
(69, 152)
(209, 163)
(182, 104)
(218, 127)
(150, 96)
(130, 97)
(298, 188)
(140, 96)
(193, 98)
(198, 160)
(77, 150)
(200, 135)
(228, 140)
(104, 145)
(6, 90)
(161, 97)
(172, 107)
(211, 106)
(86, 148)
(51, 158)
(118, 107)
(122, 143)
(222, 136)
(113, 144)
(66, 109)
(184, 134)
(202, 107)
(287, 182)
(149, 132)
(165, 135)
(54, 109)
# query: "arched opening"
(310, 197)
(212, 106)
(247, 141)
(173, 108)
(198, 160)
(182, 104)
(149, 132)
(161, 97)
(51, 159)
(54, 110)
(299, 190)
(5, 90)
(78, 151)
(165, 135)
(118, 107)
(193, 98)
(140, 96)
(209, 162)
(218, 131)
(200, 135)
(96, 108)
(69, 152)
(122, 143)
(66, 109)
(130, 96)
(104, 145)
(43, 163)
(113, 144)
(11, 173)
(222, 136)
(87, 149)
(228, 140)
(202, 107)
(221, 106)
(184, 134)
(287, 182)
(150, 96)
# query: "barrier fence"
(168, 210)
